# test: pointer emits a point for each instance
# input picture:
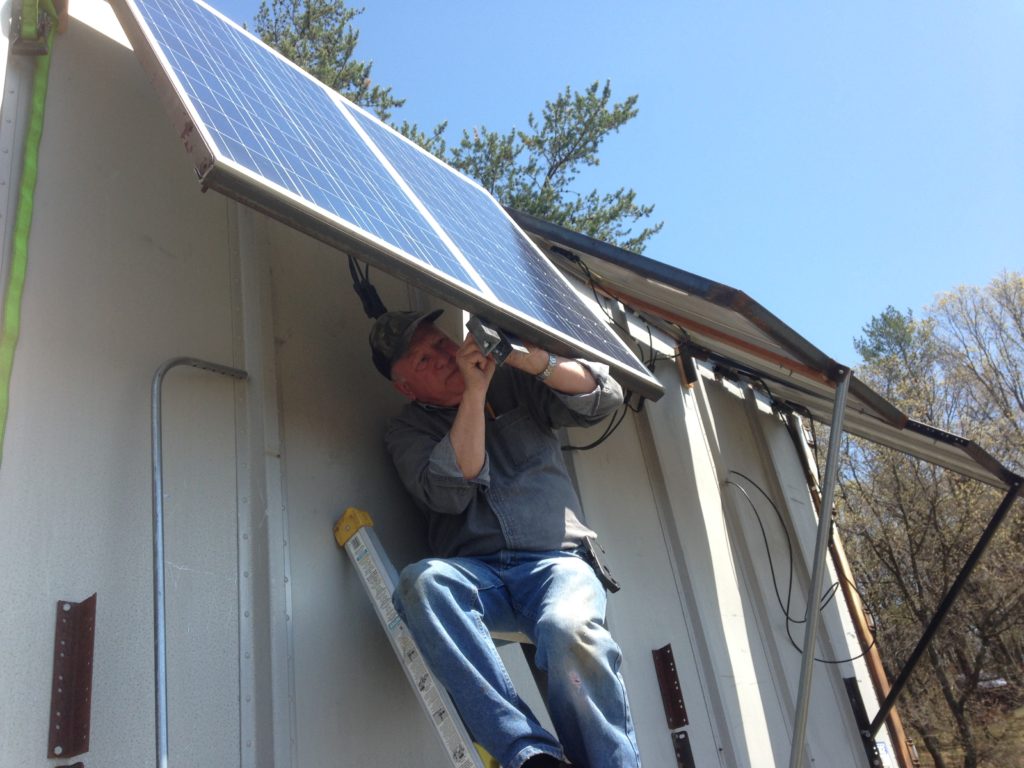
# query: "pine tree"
(533, 170)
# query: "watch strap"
(546, 373)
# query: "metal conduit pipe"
(159, 617)
(813, 616)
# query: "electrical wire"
(372, 304)
(614, 422)
(828, 595)
(592, 283)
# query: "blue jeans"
(451, 605)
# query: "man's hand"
(477, 370)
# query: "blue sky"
(828, 160)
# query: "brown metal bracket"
(71, 695)
(684, 755)
(675, 707)
(671, 693)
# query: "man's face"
(427, 371)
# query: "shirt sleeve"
(583, 410)
(428, 469)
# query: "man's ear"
(403, 388)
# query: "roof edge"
(718, 293)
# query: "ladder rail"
(379, 578)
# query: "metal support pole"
(813, 615)
(945, 605)
(159, 619)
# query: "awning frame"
(727, 326)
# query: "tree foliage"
(984, 331)
(910, 525)
(534, 170)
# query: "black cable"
(612, 425)
(640, 405)
(826, 597)
(658, 357)
(814, 439)
(771, 563)
(575, 259)
(592, 282)
(372, 305)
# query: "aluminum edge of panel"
(176, 104)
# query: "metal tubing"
(159, 618)
(813, 614)
(945, 605)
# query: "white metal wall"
(625, 502)
(128, 266)
(352, 705)
(750, 439)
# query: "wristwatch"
(552, 362)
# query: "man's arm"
(575, 393)
(467, 432)
(567, 376)
(427, 465)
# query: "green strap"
(22, 227)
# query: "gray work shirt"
(523, 498)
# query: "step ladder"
(354, 534)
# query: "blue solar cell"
(267, 116)
(519, 276)
(264, 115)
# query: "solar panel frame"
(455, 281)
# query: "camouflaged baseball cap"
(391, 334)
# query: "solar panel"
(265, 132)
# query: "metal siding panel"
(116, 285)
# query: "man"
(477, 450)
